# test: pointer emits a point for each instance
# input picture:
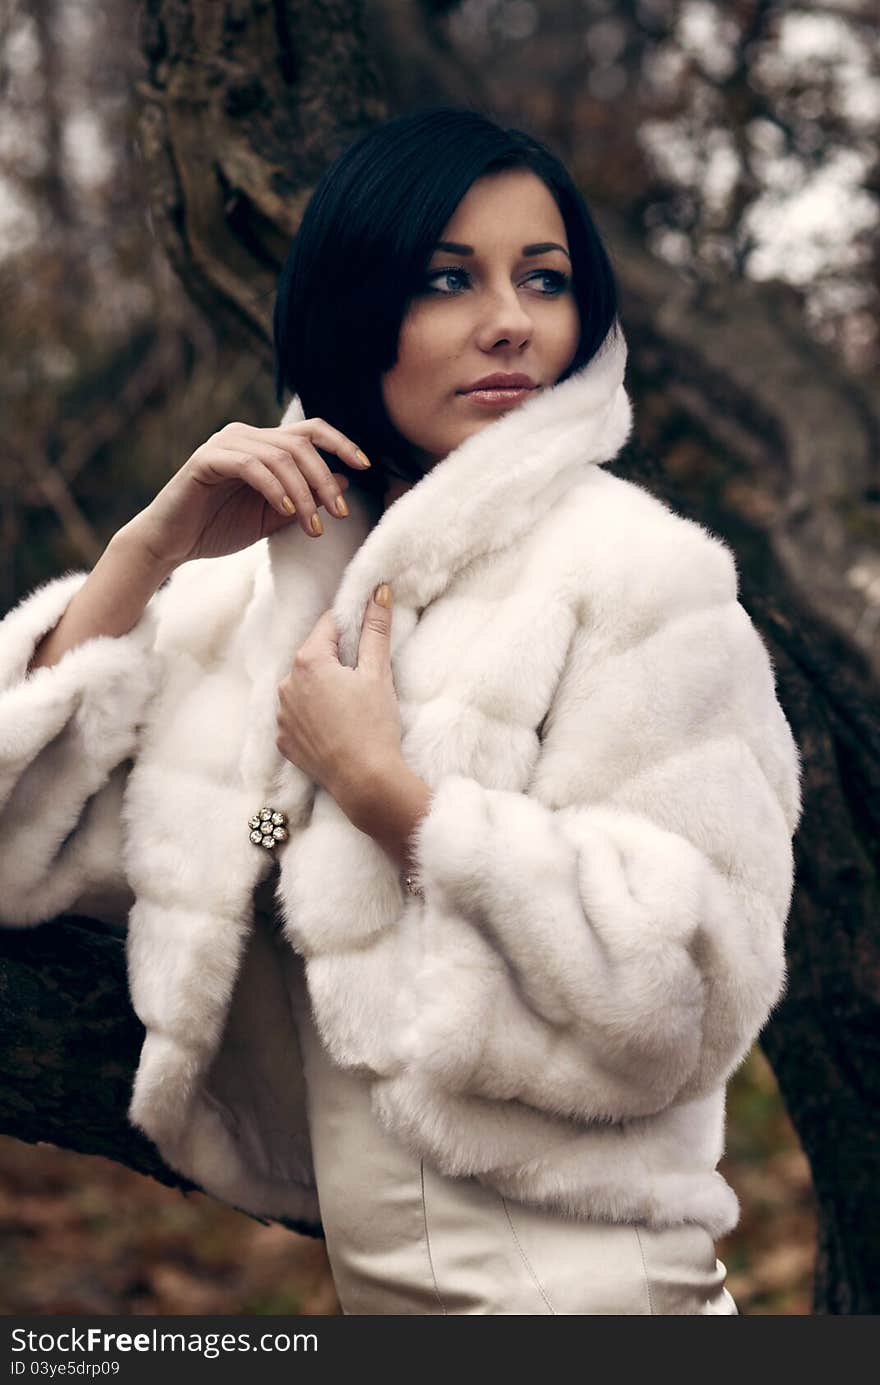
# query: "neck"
(396, 488)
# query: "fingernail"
(341, 507)
(288, 504)
(362, 457)
(383, 594)
(315, 524)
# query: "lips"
(497, 397)
(501, 380)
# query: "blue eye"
(557, 280)
(451, 273)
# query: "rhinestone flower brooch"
(411, 885)
(268, 828)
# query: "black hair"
(362, 248)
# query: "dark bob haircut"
(362, 250)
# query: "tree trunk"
(743, 423)
(246, 104)
(70, 1042)
(753, 425)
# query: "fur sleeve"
(66, 736)
(611, 941)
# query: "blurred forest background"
(736, 143)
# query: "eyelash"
(559, 279)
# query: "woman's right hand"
(232, 490)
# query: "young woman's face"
(497, 297)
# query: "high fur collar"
(483, 495)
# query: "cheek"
(406, 388)
(568, 334)
(416, 355)
(399, 395)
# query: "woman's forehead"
(514, 215)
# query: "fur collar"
(483, 495)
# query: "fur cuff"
(105, 681)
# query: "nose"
(504, 318)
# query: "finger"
(374, 647)
(323, 637)
(325, 483)
(253, 472)
(322, 434)
(318, 475)
(301, 477)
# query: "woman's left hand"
(337, 724)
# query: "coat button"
(411, 885)
(268, 827)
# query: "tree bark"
(743, 422)
(70, 1042)
(752, 429)
(246, 103)
(747, 426)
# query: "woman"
(449, 915)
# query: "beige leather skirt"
(402, 1238)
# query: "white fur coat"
(606, 861)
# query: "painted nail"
(383, 594)
(288, 504)
(362, 457)
(341, 507)
(315, 524)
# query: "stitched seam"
(428, 1238)
(647, 1276)
(525, 1258)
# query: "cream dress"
(403, 1238)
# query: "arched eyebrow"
(455, 248)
